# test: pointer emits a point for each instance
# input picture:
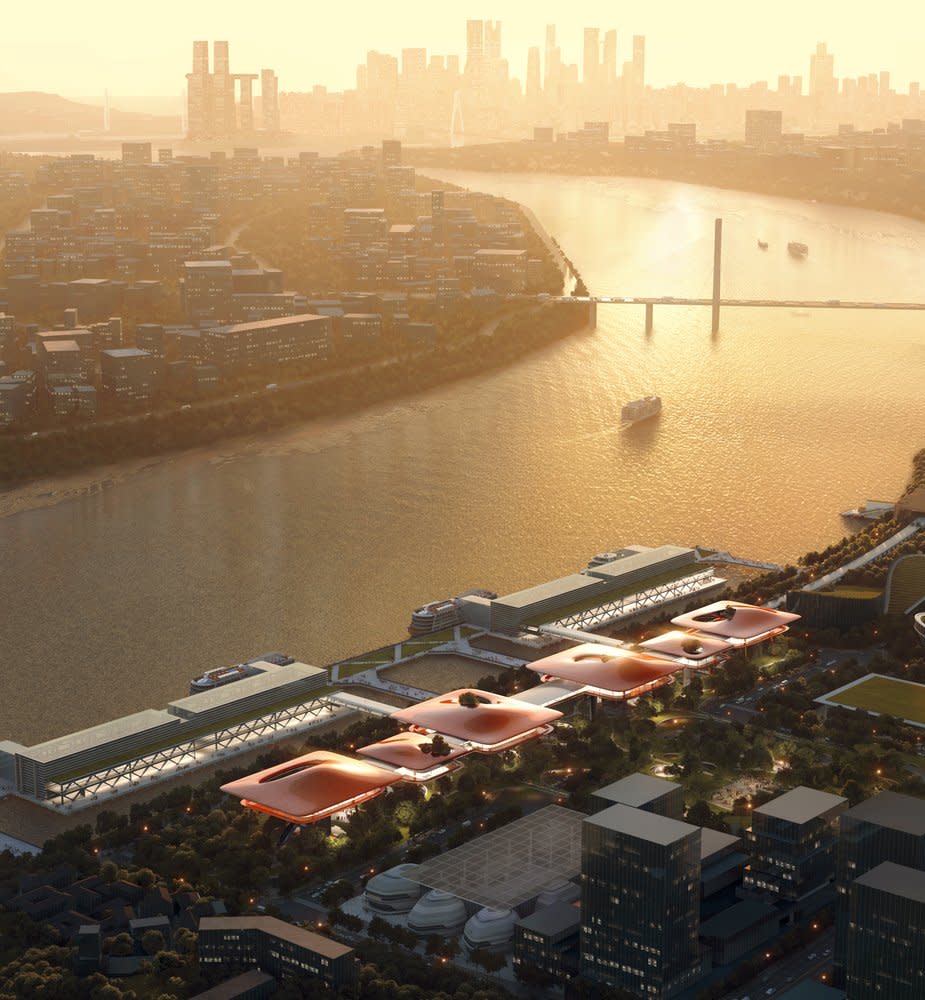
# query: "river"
(319, 540)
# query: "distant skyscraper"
(493, 41)
(609, 64)
(413, 64)
(640, 902)
(639, 60)
(592, 56)
(549, 56)
(269, 100)
(475, 46)
(534, 85)
(199, 93)
(822, 72)
(223, 106)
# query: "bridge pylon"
(717, 270)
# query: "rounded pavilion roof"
(493, 721)
(732, 620)
(308, 788)
(606, 668)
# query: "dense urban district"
(130, 323)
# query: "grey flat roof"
(208, 263)
(736, 919)
(801, 804)
(897, 880)
(86, 739)
(233, 989)
(640, 560)
(893, 810)
(563, 587)
(636, 790)
(713, 841)
(266, 324)
(550, 693)
(642, 825)
(126, 352)
(511, 865)
(270, 676)
(53, 346)
(553, 919)
(278, 929)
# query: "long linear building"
(635, 578)
(114, 756)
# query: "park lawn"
(886, 696)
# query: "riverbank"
(41, 462)
(806, 178)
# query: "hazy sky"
(135, 48)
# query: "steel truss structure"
(624, 607)
(195, 752)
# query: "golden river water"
(319, 541)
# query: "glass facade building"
(640, 902)
(885, 951)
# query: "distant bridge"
(716, 301)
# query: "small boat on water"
(799, 250)
(762, 245)
(641, 409)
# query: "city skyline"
(725, 50)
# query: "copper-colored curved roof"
(733, 620)
(306, 789)
(495, 721)
(606, 668)
(694, 646)
(404, 751)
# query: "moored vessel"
(641, 409)
(798, 249)
(212, 679)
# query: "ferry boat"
(438, 615)
(212, 679)
(762, 245)
(798, 249)
(641, 409)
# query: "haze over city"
(720, 41)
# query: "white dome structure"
(559, 891)
(391, 891)
(490, 930)
(437, 913)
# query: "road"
(810, 962)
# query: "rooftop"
(733, 620)
(686, 645)
(898, 880)
(404, 751)
(553, 919)
(239, 986)
(801, 804)
(636, 790)
(606, 668)
(268, 324)
(566, 586)
(107, 732)
(634, 561)
(713, 842)
(271, 676)
(642, 825)
(513, 864)
(56, 346)
(309, 788)
(126, 352)
(495, 720)
(893, 811)
(281, 930)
